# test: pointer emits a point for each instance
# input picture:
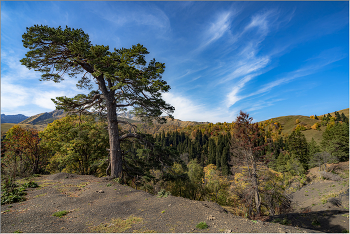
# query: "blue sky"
(269, 59)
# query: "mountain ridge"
(44, 118)
(13, 118)
(288, 123)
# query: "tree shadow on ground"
(323, 221)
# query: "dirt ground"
(99, 205)
(323, 204)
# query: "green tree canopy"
(79, 144)
(123, 77)
(336, 141)
(297, 145)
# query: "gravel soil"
(95, 202)
(323, 204)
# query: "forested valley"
(201, 162)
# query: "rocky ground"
(100, 205)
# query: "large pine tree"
(123, 77)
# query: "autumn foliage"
(22, 154)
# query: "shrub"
(163, 193)
(202, 225)
(12, 195)
(330, 176)
(30, 184)
(334, 201)
(60, 213)
(315, 222)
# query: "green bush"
(60, 213)
(163, 193)
(12, 195)
(30, 184)
(202, 225)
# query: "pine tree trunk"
(114, 142)
(115, 151)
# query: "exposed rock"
(211, 217)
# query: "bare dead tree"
(245, 151)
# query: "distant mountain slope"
(345, 111)
(13, 118)
(170, 125)
(44, 118)
(175, 122)
(289, 123)
(6, 126)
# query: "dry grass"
(116, 225)
(6, 126)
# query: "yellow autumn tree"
(271, 187)
(215, 184)
(316, 126)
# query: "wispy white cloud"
(139, 15)
(260, 22)
(316, 64)
(262, 104)
(233, 96)
(319, 62)
(246, 61)
(14, 96)
(246, 67)
(12, 68)
(43, 99)
(189, 72)
(16, 93)
(217, 29)
(188, 110)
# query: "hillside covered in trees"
(200, 162)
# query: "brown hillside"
(45, 118)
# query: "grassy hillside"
(44, 118)
(289, 123)
(6, 126)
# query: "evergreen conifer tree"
(212, 152)
(224, 161)
(313, 148)
(337, 116)
(344, 118)
(123, 76)
(297, 144)
(336, 141)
